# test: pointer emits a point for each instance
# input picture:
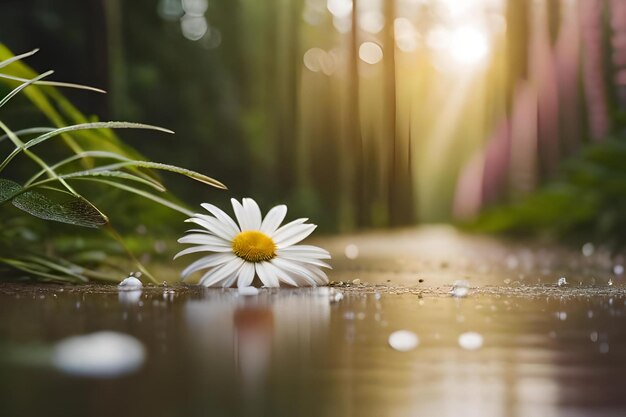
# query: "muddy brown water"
(546, 350)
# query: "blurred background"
(358, 113)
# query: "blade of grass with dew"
(88, 175)
(29, 131)
(22, 86)
(83, 126)
(148, 195)
(48, 99)
(79, 156)
(165, 167)
(16, 58)
(55, 84)
(20, 146)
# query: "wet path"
(512, 344)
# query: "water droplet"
(336, 296)
(248, 291)
(588, 249)
(593, 336)
(460, 288)
(351, 251)
(561, 315)
(471, 340)
(618, 269)
(561, 282)
(129, 284)
(512, 262)
(101, 355)
(403, 340)
(604, 347)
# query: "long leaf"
(18, 57)
(165, 167)
(29, 131)
(19, 88)
(148, 195)
(54, 83)
(21, 146)
(80, 156)
(82, 126)
(90, 174)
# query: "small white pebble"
(403, 340)
(129, 284)
(356, 281)
(561, 282)
(471, 340)
(248, 291)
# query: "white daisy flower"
(253, 247)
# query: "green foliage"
(97, 156)
(588, 199)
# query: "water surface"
(546, 350)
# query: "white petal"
(308, 251)
(213, 225)
(273, 219)
(198, 231)
(304, 260)
(215, 275)
(202, 239)
(293, 235)
(232, 278)
(288, 225)
(246, 275)
(199, 248)
(267, 277)
(320, 276)
(295, 270)
(281, 275)
(207, 262)
(253, 213)
(240, 214)
(223, 217)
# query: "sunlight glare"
(372, 22)
(406, 36)
(468, 45)
(313, 59)
(370, 53)
(339, 8)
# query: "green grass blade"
(82, 126)
(78, 157)
(171, 168)
(29, 131)
(18, 57)
(20, 87)
(147, 195)
(55, 83)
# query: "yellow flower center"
(254, 246)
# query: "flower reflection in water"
(258, 341)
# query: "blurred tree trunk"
(112, 51)
(592, 27)
(99, 49)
